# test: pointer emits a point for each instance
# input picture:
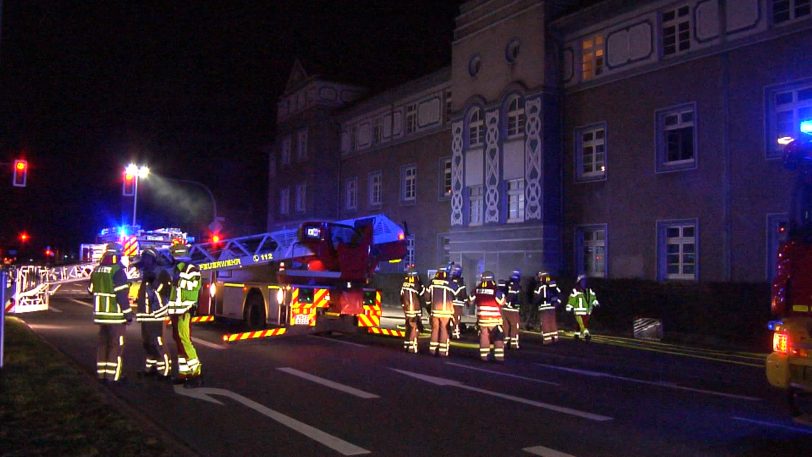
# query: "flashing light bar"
(806, 126)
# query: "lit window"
(301, 197)
(409, 183)
(351, 197)
(678, 250)
(375, 186)
(515, 116)
(676, 30)
(476, 128)
(787, 10)
(285, 150)
(445, 165)
(591, 57)
(787, 107)
(301, 145)
(515, 200)
(590, 242)
(411, 118)
(590, 153)
(475, 205)
(676, 140)
(284, 201)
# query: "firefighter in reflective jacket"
(111, 311)
(489, 300)
(582, 300)
(440, 295)
(460, 299)
(546, 297)
(182, 298)
(510, 312)
(153, 306)
(411, 293)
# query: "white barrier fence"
(32, 285)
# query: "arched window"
(476, 127)
(515, 116)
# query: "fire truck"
(789, 366)
(312, 278)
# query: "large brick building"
(627, 139)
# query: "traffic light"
(20, 173)
(128, 187)
(215, 238)
(24, 237)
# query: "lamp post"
(137, 172)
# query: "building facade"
(621, 140)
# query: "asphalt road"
(361, 394)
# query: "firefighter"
(461, 299)
(581, 302)
(111, 311)
(546, 297)
(153, 304)
(489, 300)
(410, 297)
(510, 312)
(441, 297)
(182, 299)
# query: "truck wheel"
(254, 312)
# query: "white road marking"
(80, 302)
(326, 382)
(450, 382)
(501, 374)
(338, 341)
(54, 309)
(47, 327)
(333, 442)
(772, 424)
(545, 452)
(209, 345)
(669, 385)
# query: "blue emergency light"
(122, 232)
(806, 126)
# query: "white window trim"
(676, 21)
(792, 14)
(351, 193)
(371, 189)
(773, 149)
(479, 125)
(578, 243)
(443, 195)
(578, 133)
(515, 115)
(480, 206)
(404, 183)
(661, 166)
(662, 251)
(594, 55)
(410, 118)
(521, 198)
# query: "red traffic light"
(215, 238)
(128, 186)
(20, 175)
(24, 237)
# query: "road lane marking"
(80, 302)
(501, 374)
(333, 442)
(54, 309)
(545, 452)
(450, 382)
(208, 344)
(326, 382)
(338, 341)
(669, 385)
(772, 424)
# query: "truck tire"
(254, 311)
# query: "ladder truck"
(789, 366)
(313, 278)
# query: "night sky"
(186, 87)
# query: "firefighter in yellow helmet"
(440, 295)
(411, 293)
(182, 301)
(489, 301)
(581, 302)
(111, 311)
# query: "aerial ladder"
(312, 278)
(32, 285)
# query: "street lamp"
(136, 173)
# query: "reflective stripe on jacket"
(489, 304)
(513, 296)
(108, 284)
(441, 295)
(582, 301)
(185, 288)
(410, 293)
(152, 305)
(546, 295)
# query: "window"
(475, 205)
(411, 118)
(301, 145)
(409, 183)
(301, 197)
(351, 193)
(676, 30)
(354, 138)
(409, 258)
(515, 200)
(474, 65)
(476, 128)
(285, 150)
(787, 10)
(375, 184)
(284, 201)
(787, 107)
(590, 245)
(678, 250)
(512, 50)
(515, 116)
(377, 130)
(445, 178)
(676, 142)
(591, 57)
(590, 153)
